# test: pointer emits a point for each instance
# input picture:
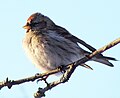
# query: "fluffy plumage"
(49, 45)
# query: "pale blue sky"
(95, 21)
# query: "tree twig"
(69, 69)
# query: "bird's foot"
(62, 68)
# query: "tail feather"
(86, 66)
(110, 58)
(102, 59)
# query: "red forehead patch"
(30, 18)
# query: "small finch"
(50, 46)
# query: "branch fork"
(69, 69)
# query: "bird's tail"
(102, 59)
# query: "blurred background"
(95, 21)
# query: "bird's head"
(37, 21)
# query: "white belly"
(49, 52)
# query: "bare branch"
(69, 69)
(72, 67)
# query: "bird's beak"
(27, 27)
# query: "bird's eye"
(33, 24)
(28, 24)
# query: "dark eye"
(33, 24)
(28, 24)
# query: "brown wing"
(63, 32)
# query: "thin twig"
(70, 68)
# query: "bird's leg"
(62, 68)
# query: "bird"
(49, 46)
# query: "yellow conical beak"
(27, 27)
